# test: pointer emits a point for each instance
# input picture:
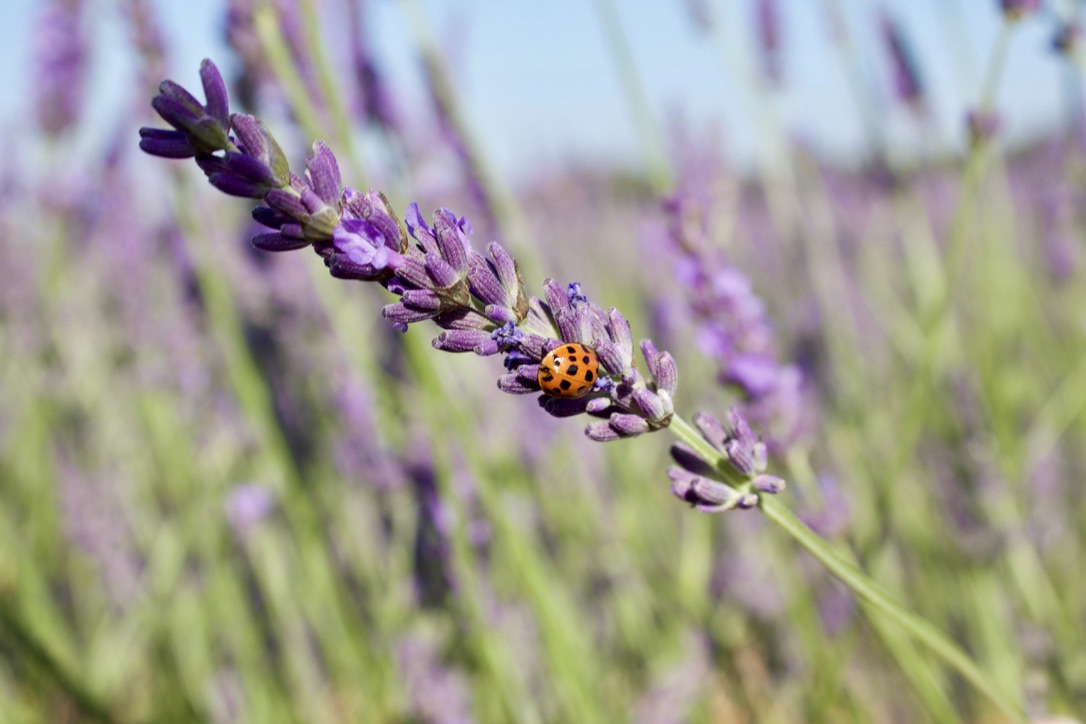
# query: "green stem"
(866, 589)
(29, 645)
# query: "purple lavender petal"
(416, 226)
(485, 283)
(462, 340)
(165, 143)
(667, 373)
(412, 272)
(269, 217)
(488, 347)
(568, 329)
(768, 484)
(250, 138)
(741, 457)
(322, 172)
(505, 267)
(611, 357)
(463, 318)
(556, 298)
(619, 331)
(424, 299)
(500, 315)
(239, 186)
(399, 314)
(218, 103)
(711, 429)
(285, 203)
(278, 242)
(177, 97)
(650, 404)
(444, 275)
(451, 240)
(599, 406)
(628, 425)
(649, 352)
(690, 460)
(601, 432)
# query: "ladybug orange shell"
(569, 370)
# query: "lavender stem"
(864, 587)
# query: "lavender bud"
(218, 103)
(618, 427)
(166, 144)
(462, 340)
(611, 357)
(768, 484)
(655, 408)
(322, 173)
(747, 501)
(256, 141)
(711, 429)
(667, 374)
(741, 457)
(704, 494)
(690, 460)
(277, 241)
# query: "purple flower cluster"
(733, 327)
(478, 301)
(696, 481)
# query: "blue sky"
(538, 83)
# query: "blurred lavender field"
(230, 491)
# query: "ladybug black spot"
(573, 370)
(565, 385)
(585, 360)
(570, 349)
(588, 376)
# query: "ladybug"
(569, 370)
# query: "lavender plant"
(481, 305)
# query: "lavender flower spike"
(695, 481)
(480, 302)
